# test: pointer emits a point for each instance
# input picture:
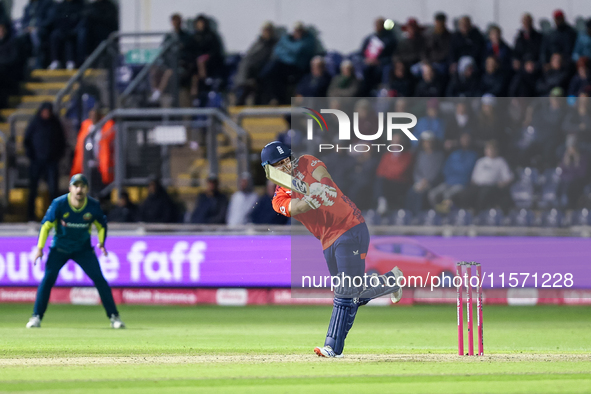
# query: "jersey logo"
(299, 175)
(87, 216)
(314, 162)
(282, 209)
(356, 252)
(66, 215)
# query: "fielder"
(72, 216)
(335, 220)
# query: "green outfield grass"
(543, 349)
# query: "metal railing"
(171, 116)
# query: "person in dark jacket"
(99, 19)
(8, 61)
(45, 144)
(430, 84)
(207, 53)
(377, 50)
(437, 44)
(582, 79)
(467, 41)
(64, 17)
(316, 83)
(528, 42)
(211, 206)
(253, 62)
(412, 47)
(158, 207)
(34, 25)
(125, 211)
(397, 80)
(524, 81)
(560, 40)
(498, 48)
(493, 80)
(263, 212)
(465, 82)
(556, 75)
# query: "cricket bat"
(286, 180)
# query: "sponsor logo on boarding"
(395, 121)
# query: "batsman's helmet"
(274, 152)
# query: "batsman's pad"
(346, 288)
(344, 311)
(380, 286)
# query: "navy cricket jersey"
(72, 226)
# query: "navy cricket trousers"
(87, 260)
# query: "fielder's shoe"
(116, 322)
(34, 322)
(326, 351)
(397, 295)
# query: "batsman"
(71, 216)
(306, 191)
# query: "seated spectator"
(457, 171)
(207, 54)
(160, 74)
(432, 123)
(488, 123)
(524, 81)
(412, 46)
(426, 172)
(65, 17)
(346, 83)
(361, 177)
(99, 19)
(556, 75)
(578, 120)
(158, 207)
(34, 25)
(9, 60)
(560, 40)
(528, 42)
(461, 122)
(393, 176)
(465, 82)
(397, 80)
(574, 167)
(103, 147)
(438, 44)
(211, 206)
(489, 185)
(340, 164)
(45, 144)
(367, 123)
(253, 62)
(582, 79)
(263, 212)
(583, 43)
(289, 62)
(241, 202)
(467, 41)
(493, 80)
(125, 211)
(377, 50)
(430, 84)
(547, 120)
(316, 83)
(498, 48)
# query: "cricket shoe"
(397, 295)
(116, 322)
(34, 322)
(326, 351)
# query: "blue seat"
(553, 218)
(491, 217)
(430, 218)
(522, 193)
(402, 217)
(549, 197)
(522, 218)
(461, 217)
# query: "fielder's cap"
(79, 178)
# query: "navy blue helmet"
(274, 152)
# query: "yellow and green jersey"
(72, 226)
